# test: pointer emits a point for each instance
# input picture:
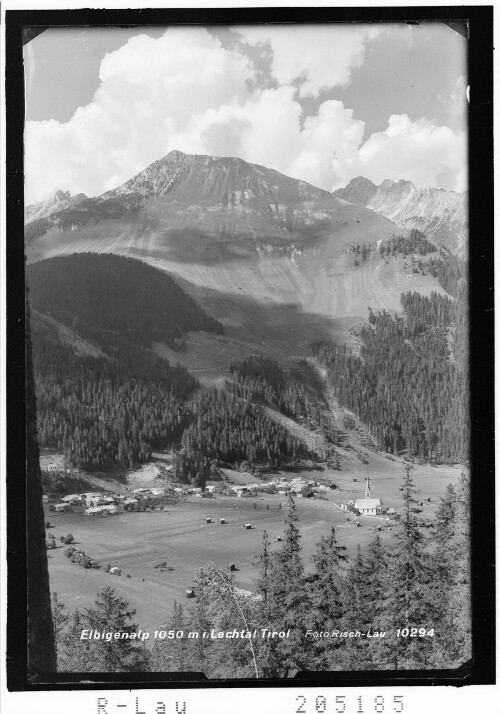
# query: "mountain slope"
(106, 298)
(57, 202)
(441, 215)
(269, 256)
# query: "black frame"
(477, 22)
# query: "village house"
(109, 508)
(72, 498)
(142, 492)
(93, 511)
(61, 507)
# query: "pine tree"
(111, 613)
(460, 600)
(408, 603)
(171, 655)
(326, 593)
(288, 604)
(73, 653)
(60, 620)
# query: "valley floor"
(179, 535)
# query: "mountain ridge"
(277, 261)
(438, 213)
(54, 203)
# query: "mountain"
(441, 215)
(277, 261)
(57, 202)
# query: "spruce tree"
(289, 604)
(408, 603)
(60, 620)
(460, 601)
(327, 607)
(111, 613)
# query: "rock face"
(228, 203)
(58, 202)
(441, 215)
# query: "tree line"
(415, 588)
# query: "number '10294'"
(342, 704)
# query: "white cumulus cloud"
(318, 57)
(186, 91)
(421, 151)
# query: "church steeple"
(367, 489)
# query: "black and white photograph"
(248, 400)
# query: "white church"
(368, 506)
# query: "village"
(152, 497)
(154, 532)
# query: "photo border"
(478, 21)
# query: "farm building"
(130, 501)
(189, 592)
(45, 499)
(140, 491)
(50, 467)
(222, 521)
(157, 491)
(61, 506)
(208, 520)
(94, 499)
(115, 571)
(72, 498)
(232, 567)
(94, 510)
(109, 508)
(247, 526)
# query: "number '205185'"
(341, 704)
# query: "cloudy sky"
(321, 103)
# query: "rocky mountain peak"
(58, 201)
(440, 214)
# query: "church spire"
(367, 489)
